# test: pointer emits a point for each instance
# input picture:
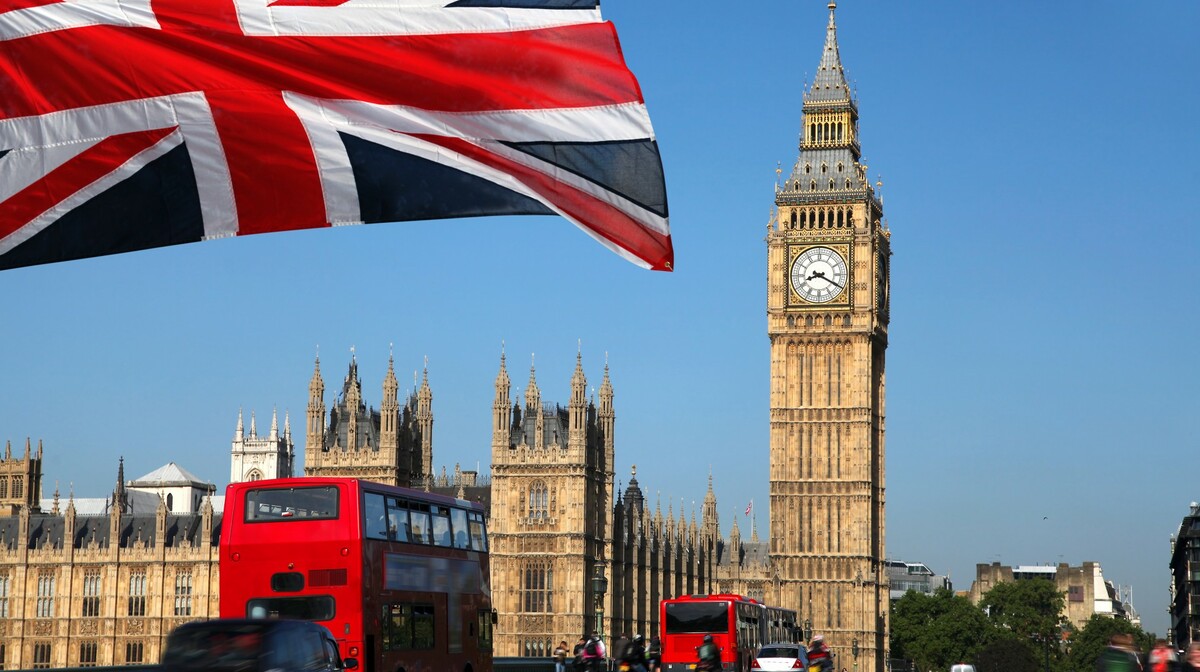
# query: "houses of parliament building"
(87, 582)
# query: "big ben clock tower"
(827, 319)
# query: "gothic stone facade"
(87, 590)
(827, 316)
(392, 445)
(554, 522)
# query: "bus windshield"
(282, 504)
(692, 617)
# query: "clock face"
(819, 275)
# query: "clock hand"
(821, 275)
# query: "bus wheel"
(468, 668)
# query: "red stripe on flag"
(10, 5)
(89, 166)
(606, 221)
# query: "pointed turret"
(274, 435)
(709, 520)
(389, 419)
(239, 433)
(253, 427)
(754, 529)
(501, 413)
(577, 410)
(314, 440)
(533, 410)
(425, 423)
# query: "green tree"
(1030, 609)
(1088, 643)
(1006, 653)
(936, 631)
(1030, 612)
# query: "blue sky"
(1038, 162)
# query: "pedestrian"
(593, 653)
(579, 664)
(654, 654)
(560, 657)
(619, 646)
(1162, 657)
(1191, 660)
(1119, 656)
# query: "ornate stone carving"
(43, 628)
(135, 626)
(89, 627)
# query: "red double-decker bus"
(400, 577)
(738, 625)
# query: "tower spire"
(829, 84)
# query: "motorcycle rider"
(709, 656)
(635, 654)
(820, 659)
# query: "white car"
(962, 667)
(784, 656)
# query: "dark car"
(236, 645)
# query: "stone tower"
(392, 445)
(551, 503)
(827, 318)
(255, 457)
(20, 480)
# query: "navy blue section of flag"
(3, 152)
(395, 187)
(631, 168)
(114, 221)
(529, 4)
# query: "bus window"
(441, 526)
(312, 608)
(398, 529)
(278, 504)
(376, 523)
(421, 533)
(408, 626)
(478, 538)
(459, 519)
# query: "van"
(962, 667)
(249, 645)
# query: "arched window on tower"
(538, 501)
(170, 502)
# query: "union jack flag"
(132, 124)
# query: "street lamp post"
(807, 630)
(599, 588)
(854, 652)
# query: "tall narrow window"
(91, 593)
(538, 500)
(137, 593)
(3, 487)
(183, 592)
(88, 654)
(41, 655)
(539, 587)
(18, 486)
(45, 599)
(5, 587)
(133, 653)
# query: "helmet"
(817, 639)
(639, 639)
(707, 639)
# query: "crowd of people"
(590, 655)
(1122, 655)
(636, 655)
